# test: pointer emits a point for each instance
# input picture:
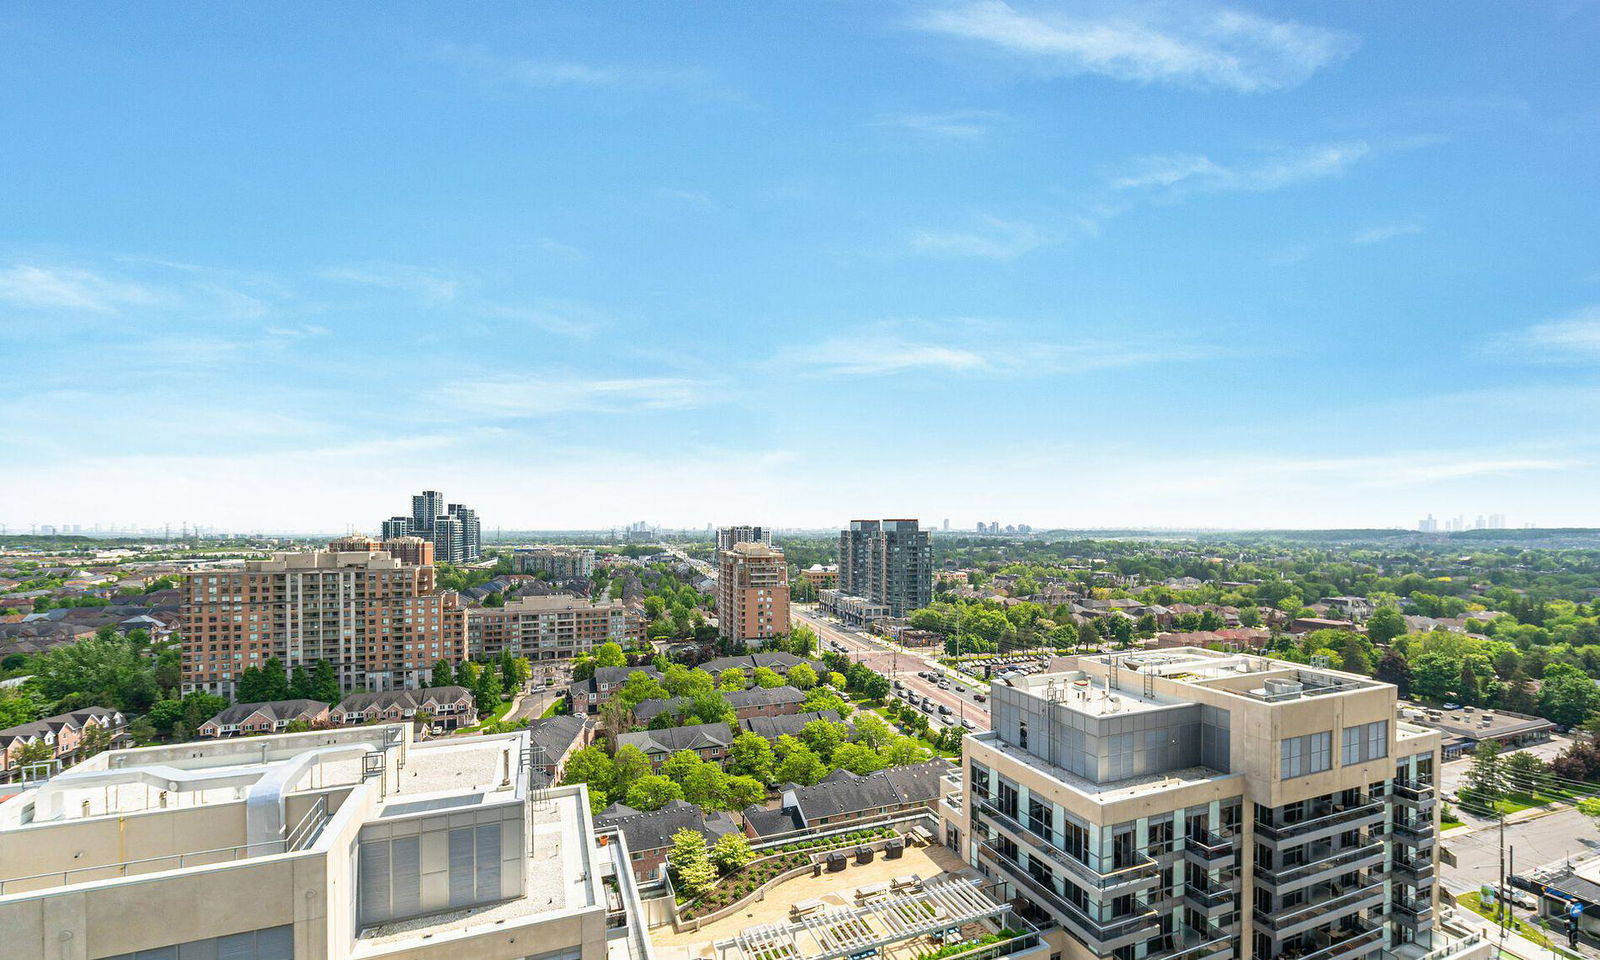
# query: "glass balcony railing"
(1345, 859)
(1139, 918)
(1325, 900)
(1144, 870)
(1357, 938)
(1413, 830)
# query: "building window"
(273, 943)
(1301, 756)
(1367, 741)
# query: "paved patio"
(830, 888)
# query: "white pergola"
(846, 931)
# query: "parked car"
(980, 697)
(927, 707)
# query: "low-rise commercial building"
(352, 844)
(856, 611)
(551, 628)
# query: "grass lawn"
(1446, 823)
(1522, 927)
(498, 715)
(555, 707)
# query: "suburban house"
(589, 695)
(843, 796)
(710, 741)
(778, 660)
(273, 716)
(649, 835)
(450, 707)
(62, 732)
(558, 738)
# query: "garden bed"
(750, 878)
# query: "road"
(1532, 843)
(900, 665)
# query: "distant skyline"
(1144, 265)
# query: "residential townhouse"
(650, 833)
(554, 741)
(709, 741)
(842, 797)
(449, 707)
(273, 716)
(588, 696)
(63, 732)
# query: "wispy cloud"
(1149, 43)
(960, 124)
(429, 284)
(69, 288)
(975, 346)
(1574, 338)
(1387, 231)
(994, 239)
(518, 397)
(526, 71)
(1198, 172)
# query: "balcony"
(1357, 938)
(1414, 794)
(1413, 831)
(1103, 936)
(1325, 860)
(1324, 904)
(1188, 944)
(1335, 816)
(1413, 911)
(1142, 874)
(1417, 871)
(1209, 848)
(1210, 898)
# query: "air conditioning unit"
(1284, 688)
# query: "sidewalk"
(1516, 945)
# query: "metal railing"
(1367, 937)
(1320, 906)
(1413, 829)
(1142, 915)
(1362, 806)
(1289, 874)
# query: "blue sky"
(278, 265)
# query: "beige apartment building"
(382, 623)
(752, 593)
(351, 844)
(1190, 804)
(550, 628)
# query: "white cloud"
(1149, 43)
(996, 240)
(875, 356)
(972, 346)
(1387, 231)
(960, 124)
(1572, 338)
(527, 72)
(1194, 171)
(431, 285)
(509, 396)
(33, 286)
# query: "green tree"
(652, 792)
(1485, 781)
(1385, 624)
(299, 683)
(705, 785)
(1523, 771)
(741, 792)
(823, 737)
(692, 869)
(35, 752)
(903, 751)
(731, 851)
(610, 655)
(628, 765)
(274, 680)
(767, 678)
(801, 766)
(1088, 636)
(1355, 660)
(486, 692)
(872, 732)
(802, 676)
(1567, 696)
(824, 698)
(680, 681)
(1396, 669)
(680, 764)
(857, 758)
(592, 766)
(325, 683)
(731, 679)
(751, 756)
(1519, 696)
(1435, 675)
(443, 675)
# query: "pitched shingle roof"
(844, 794)
(275, 709)
(405, 699)
(789, 724)
(764, 697)
(671, 740)
(654, 830)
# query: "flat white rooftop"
(1090, 694)
(1114, 791)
